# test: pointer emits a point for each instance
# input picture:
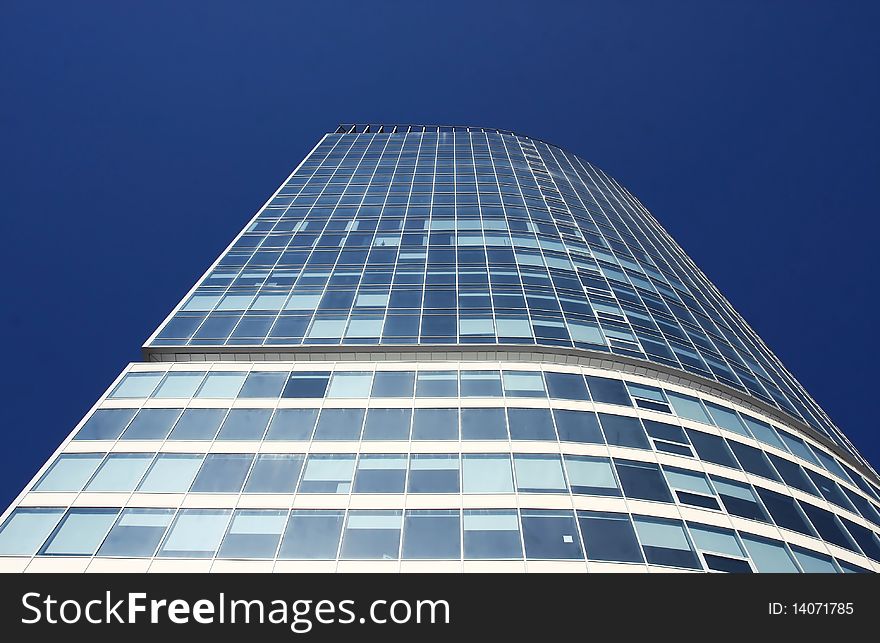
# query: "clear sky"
(137, 138)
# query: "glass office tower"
(451, 349)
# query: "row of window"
(497, 534)
(488, 473)
(435, 424)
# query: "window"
(253, 534)
(798, 447)
(393, 384)
(437, 384)
(863, 506)
(642, 480)
(221, 385)
(609, 537)
(245, 424)
(623, 431)
(712, 448)
(274, 473)
(196, 533)
(306, 384)
(151, 424)
(105, 424)
(179, 384)
(812, 562)
(80, 532)
(769, 556)
(487, 473)
(539, 473)
(69, 472)
(784, 511)
(688, 407)
(531, 424)
(434, 474)
(120, 472)
(739, 499)
(387, 424)
(483, 424)
(263, 384)
(567, 386)
(578, 426)
(720, 548)
(668, 438)
(491, 534)
(380, 474)
(137, 533)
(435, 424)
(351, 385)
(292, 424)
(591, 476)
(727, 419)
(136, 385)
(828, 526)
(523, 384)
(371, 535)
(550, 535)
(665, 542)
(171, 473)
(222, 473)
(793, 474)
(691, 487)
(432, 534)
(648, 397)
(339, 424)
(763, 432)
(864, 537)
(327, 473)
(753, 460)
(608, 391)
(25, 530)
(481, 384)
(198, 424)
(829, 489)
(831, 464)
(311, 535)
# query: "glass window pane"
(222, 473)
(339, 424)
(26, 529)
(566, 386)
(151, 424)
(624, 431)
(828, 526)
(609, 537)
(393, 384)
(196, 533)
(171, 472)
(433, 474)
(691, 487)
(712, 448)
(387, 424)
(274, 473)
(523, 384)
(481, 384)
(739, 499)
(798, 447)
(80, 532)
(812, 562)
(435, 424)
(763, 432)
(578, 426)
(491, 534)
(120, 472)
(642, 480)
(550, 535)
(768, 555)
(591, 476)
(433, 534)
(328, 473)
(137, 533)
(179, 384)
(306, 385)
(312, 535)
(371, 535)
(245, 424)
(137, 385)
(380, 473)
(665, 542)
(688, 407)
(351, 385)
(785, 511)
(829, 489)
(221, 385)
(263, 384)
(487, 473)
(715, 539)
(437, 384)
(608, 391)
(539, 473)
(198, 424)
(483, 424)
(727, 419)
(105, 424)
(253, 534)
(753, 460)
(292, 424)
(531, 424)
(866, 539)
(69, 472)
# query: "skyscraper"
(451, 348)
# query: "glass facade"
(453, 349)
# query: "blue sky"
(136, 140)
